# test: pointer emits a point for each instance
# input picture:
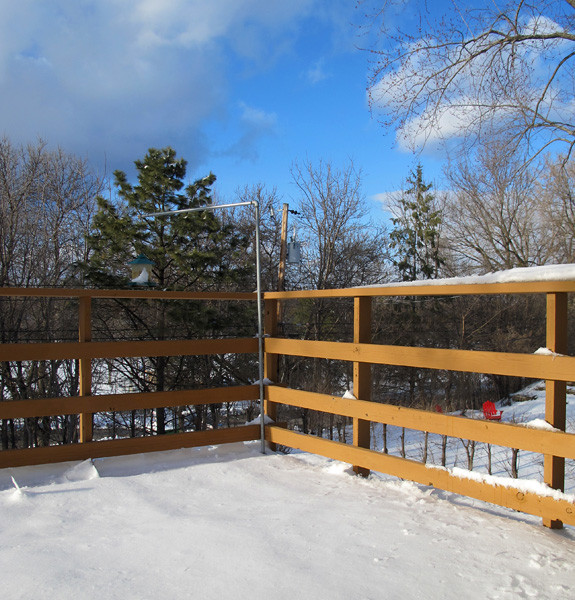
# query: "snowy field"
(229, 522)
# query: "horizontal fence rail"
(561, 368)
(148, 294)
(124, 446)
(531, 503)
(18, 409)
(431, 289)
(91, 350)
(489, 432)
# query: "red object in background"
(490, 412)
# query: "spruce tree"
(416, 232)
(415, 242)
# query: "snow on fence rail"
(555, 508)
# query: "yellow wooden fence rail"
(548, 507)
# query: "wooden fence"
(557, 370)
(85, 351)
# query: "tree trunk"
(4, 434)
(515, 463)
(403, 442)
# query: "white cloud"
(430, 128)
(317, 72)
(256, 118)
(541, 25)
(113, 77)
(386, 198)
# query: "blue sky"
(240, 87)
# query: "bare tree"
(342, 247)
(478, 67)
(46, 201)
(558, 194)
(469, 446)
(270, 228)
(495, 215)
(47, 198)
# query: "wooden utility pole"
(283, 258)
(283, 249)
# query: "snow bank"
(267, 381)
(538, 424)
(258, 420)
(546, 352)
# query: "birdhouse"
(142, 271)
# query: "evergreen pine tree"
(416, 232)
(415, 242)
(190, 251)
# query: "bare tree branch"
(479, 69)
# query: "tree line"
(61, 224)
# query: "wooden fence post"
(271, 370)
(85, 366)
(361, 374)
(556, 394)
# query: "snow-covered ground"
(228, 522)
